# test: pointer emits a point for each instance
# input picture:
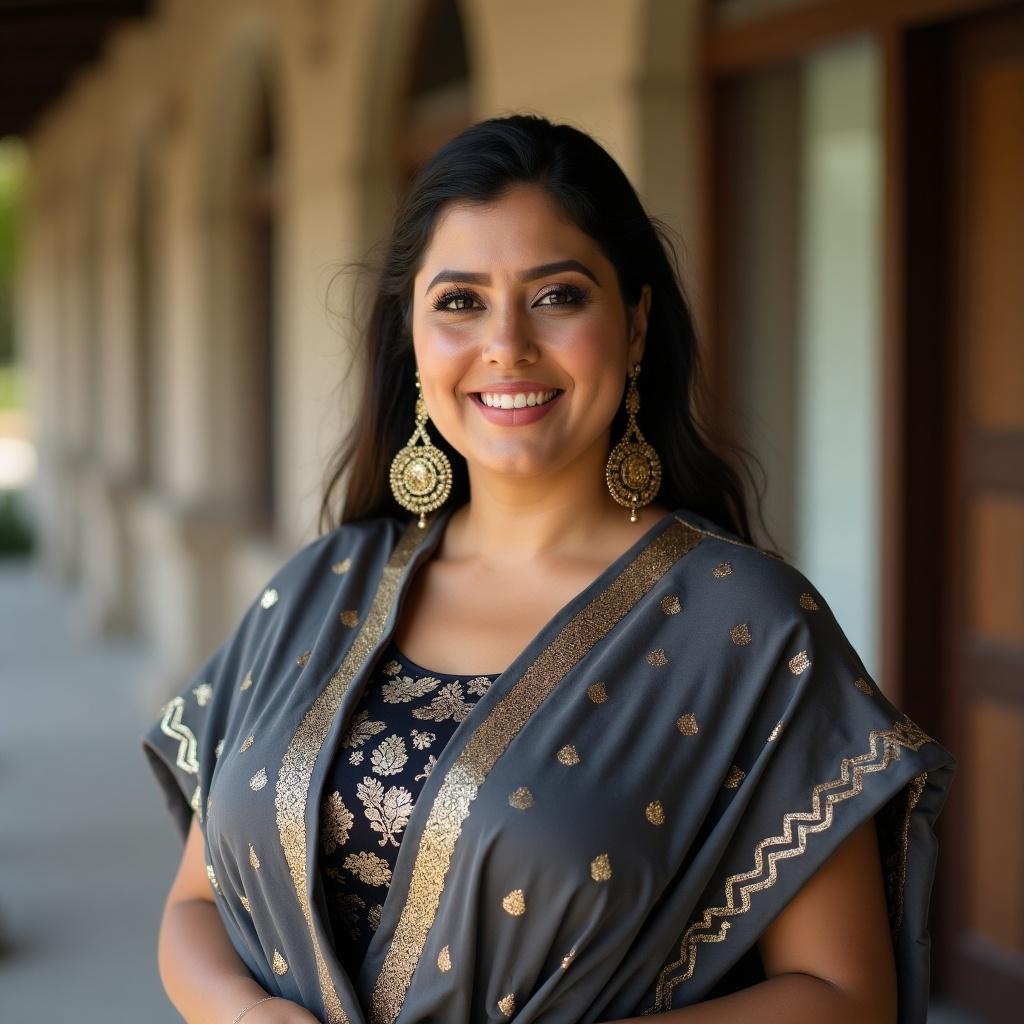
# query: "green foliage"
(13, 171)
(16, 537)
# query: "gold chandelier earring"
(633, 471)
(421, 475)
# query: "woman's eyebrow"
(471, 277)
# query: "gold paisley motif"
(722, 570)
(808, 603)
(774, 734)
(864, 686)
(601, 868)
(597, 692)
(514, 903)
(799, 663)
(883, 750)
(246, 745)
(657, 658)
(521, 799)
(567, 755)
(687, 724)
(444, 959)
(740, 634)
(735, 777)
(254, 861)
(670, 605)
(507, 1004)
(655, 813)
(279, 965)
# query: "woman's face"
(514, 306)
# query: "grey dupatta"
(610, 829)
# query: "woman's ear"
(638, 326)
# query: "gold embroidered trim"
(470, 769)
(172, 725)
(293, 780)
(884, 748)
(914, 791)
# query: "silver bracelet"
(257, 1003)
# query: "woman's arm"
(202, 974)
(827, 956)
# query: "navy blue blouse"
(405, 716)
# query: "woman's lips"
(514, 417)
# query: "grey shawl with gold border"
(611, 828)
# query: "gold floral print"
(597, 692)
(428, 767)
(404, 688)
(336, 822)
(507, 1004)
(478, 685)
(373, 916)
(348, 912)
(349, 618)
(360, 730)
(722, 570)
(735, 777)
(422, 740)
(449, 703)
(657, 658)
(808, 603)
(203, 692)
(390, 756)
(259, 780)
(356, 757)
(369, 868)
(670, 605)
(387, 812)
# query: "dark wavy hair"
(480, 165)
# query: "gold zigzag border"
(903, 733)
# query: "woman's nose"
(508, 338)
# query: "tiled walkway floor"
(87, 849)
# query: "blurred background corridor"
(180, 183)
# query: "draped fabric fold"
(608, 831)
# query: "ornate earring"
(421, 475)
(633, 470)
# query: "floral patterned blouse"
(405, 716)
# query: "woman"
(517, 740)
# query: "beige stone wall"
(167, 553)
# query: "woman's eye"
(445, 299)
(571, 295)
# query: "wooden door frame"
(731, 51)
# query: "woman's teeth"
(520, 400)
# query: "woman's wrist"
(252, 1006)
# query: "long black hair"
(480, 165)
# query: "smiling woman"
(494, 747)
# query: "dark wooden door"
(981, 961)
